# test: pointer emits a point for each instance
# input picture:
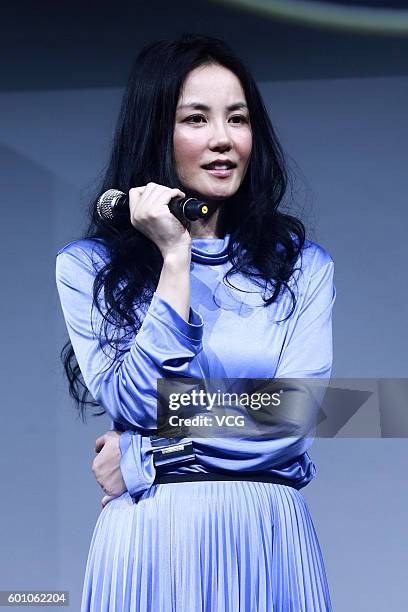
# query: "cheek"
(243, 144)
(246, 145)
(187, 147)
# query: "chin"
(213, 194)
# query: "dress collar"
(210, 250)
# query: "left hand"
(106, 466)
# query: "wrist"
(177, 257)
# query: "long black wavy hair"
(265, 243)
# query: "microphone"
(113, 205)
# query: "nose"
(220, 137)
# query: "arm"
(306, 353)
(166, 344)
(123, 462)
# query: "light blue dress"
(217, 546)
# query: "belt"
(169, 453)
(206, 476)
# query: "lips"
(221, 173)
(220, 165)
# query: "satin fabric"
(206, 547)
(228, 335)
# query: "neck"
(205, 229)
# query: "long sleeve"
(136, 462)
(308, 348)
(168, 345)
(165, 345)
(305, 353)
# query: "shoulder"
(91, 250)
(85, 247)
(314, 257)
(85, 254)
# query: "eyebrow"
(204, 107)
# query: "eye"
(244, 119)
(188, 119)
(191, 118)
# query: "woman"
(239, 295)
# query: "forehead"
(210, 83)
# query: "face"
(212, 125)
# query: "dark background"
(57, 45)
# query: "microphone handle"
(114, 204)
(189, 209)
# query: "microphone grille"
(106, 203)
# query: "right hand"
(106, 466)
(150, 214)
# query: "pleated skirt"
(235, 546)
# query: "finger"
(99, 443)
(174, 193)
(137, 190)
(112, 433)
(179, 192)
(106, 499)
